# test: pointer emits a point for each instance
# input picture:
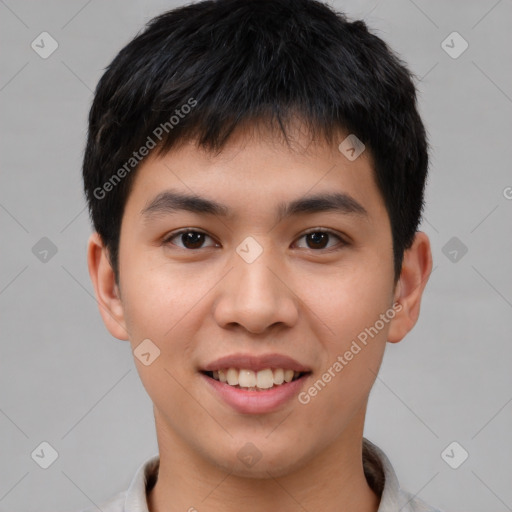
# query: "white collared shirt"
(377, 468)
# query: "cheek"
(158, 296)
(347, 302)
(157, 306)
(342, 385)
(353, 336)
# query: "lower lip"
(256, 402)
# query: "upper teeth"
(263, 379)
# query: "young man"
(255, 174)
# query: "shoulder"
(132, 499)
(382, 478)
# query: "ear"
(416, 269)
(105, 287)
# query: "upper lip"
(255, 363)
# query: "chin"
(271, 461)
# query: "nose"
(256, 296)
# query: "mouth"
(255, 384)
(250, 380)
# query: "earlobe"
(416, 269)
(106, 290)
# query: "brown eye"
(320, 238)
(191, 239)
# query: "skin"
(198, 304)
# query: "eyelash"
(342, 243)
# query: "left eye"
(319, 238)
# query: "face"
(265, 280)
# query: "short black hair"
(201, 70)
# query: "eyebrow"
(170, 201)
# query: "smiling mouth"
(250, 380)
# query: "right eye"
(189, 237)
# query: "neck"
(333, 480)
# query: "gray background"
(65, 380)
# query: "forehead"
(256, 172)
